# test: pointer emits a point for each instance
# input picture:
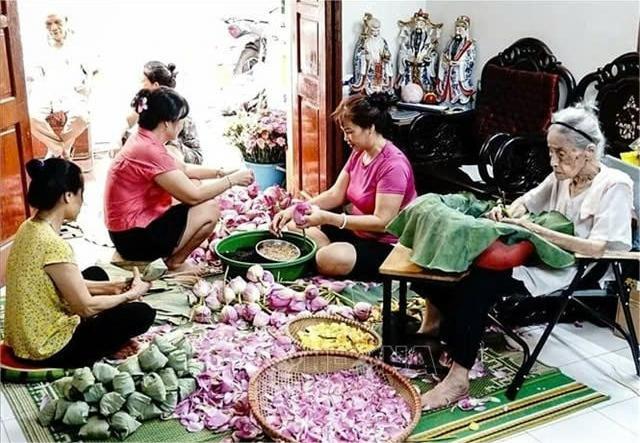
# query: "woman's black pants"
(465, 308)
(104, 333)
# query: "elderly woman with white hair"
(599, 202)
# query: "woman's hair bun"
(35, 168)
(171, 67)
(381, 100)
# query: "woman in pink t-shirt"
(143, 179)
(375, 184)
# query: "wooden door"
(15, 137)
(316, 154)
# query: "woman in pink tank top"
(348, 220)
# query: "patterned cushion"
(515, 101)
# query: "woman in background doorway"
(186, 147)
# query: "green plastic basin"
(286, 271)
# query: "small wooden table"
(398, 266)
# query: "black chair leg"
(631, 337)
(513, 336)
(516, 384)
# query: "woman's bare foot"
(454, 387)
(186, 268)
(130, 348)
(430, 321)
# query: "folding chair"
(571, 293)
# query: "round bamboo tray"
(287, 370)
(300, 323)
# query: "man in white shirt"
(59, 91)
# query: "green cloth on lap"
(448, 232)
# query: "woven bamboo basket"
(300, 323)
(287, 370)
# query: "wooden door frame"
(9, 20)
(331, 67)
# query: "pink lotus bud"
(218, 285)
(228, 315)
(228, 295)
(238, 285)
(261, 319)
(197, 255)
(300, 212)
(212, 302)
(250, 311)
(346, 312)
(343, 311)
(253, 190)
(251, 293)
(202, 314)
(362, 310)
(279, 297)
(202, 288)
(240, 308)
(317, 304)
(254, 273)
(297, 302)
(311, 292)
(267, 277)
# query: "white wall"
(583, 35)
(387, 11)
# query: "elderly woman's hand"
(496, 213)
(522, 222)
(517, 209)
